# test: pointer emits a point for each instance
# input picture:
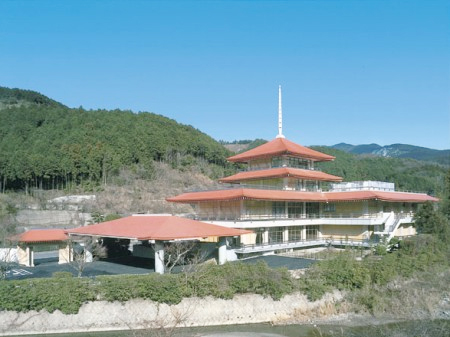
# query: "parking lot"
(45, 267)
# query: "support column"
(65, 254)
(222, 250)
(88, 257)
(285, 234)
(303, 235)
(265, 236)
(25, 255)
(159, 257)
(30, 255)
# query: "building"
(289, 204)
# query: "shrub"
(62, 274)
(64, 294)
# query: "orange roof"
(379, 195)
(279, 173)
(279, 195)
(42, 235)
(280, 146)
(156, 227)
(247, 193)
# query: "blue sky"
(351, 71)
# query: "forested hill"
(407, 174)
(47, 145)
(18, 97)
(398, 151)
(50, 146)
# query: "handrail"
(256, 217)
(319, 241)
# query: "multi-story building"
(289, 204)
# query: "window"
(310, 185)
(277, 162)
(329, 207)
(295, 210)
(295, 233)
(276, 235)
(297, 163)
(312, 232)
(278, 209)
(312, 209)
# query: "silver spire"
(280, 115)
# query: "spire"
(280, 115)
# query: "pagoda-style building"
(291, 205)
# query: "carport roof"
(155, 227)
(41, 235)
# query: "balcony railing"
(262, 217)
(268, 246)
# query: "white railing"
(269, 246)
(257, 217)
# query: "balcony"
(350, 219)
(315, 242)
(291, 217)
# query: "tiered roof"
(278, 147)
(279, 195)
(281, 172)
(281, 146)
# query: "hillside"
(10, 98)
(239, 146)
(398, 151)
(407, 174)
(47, 146)
(50, 146)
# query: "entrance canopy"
(41, 236)
(155, 227)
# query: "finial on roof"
(280, 115)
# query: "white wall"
(8, 255)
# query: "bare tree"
(178, 253)
(84, 251)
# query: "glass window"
(278, 209)
(329, 207)
(277, 162)
(297, 163)
(275, 234)
(312, 209)
(312, 232)
(295, 210)
(310, 185)
(295, 233)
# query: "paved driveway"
(45, 267)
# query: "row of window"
(289, 162)
(294, 234)
(294, 209)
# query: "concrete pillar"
(222, 250)
(159, 257)
(25, 256)
(265, 237)
(303, 235)
(30, 254)
(286, 235)
(65, 254)
(88, 257)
